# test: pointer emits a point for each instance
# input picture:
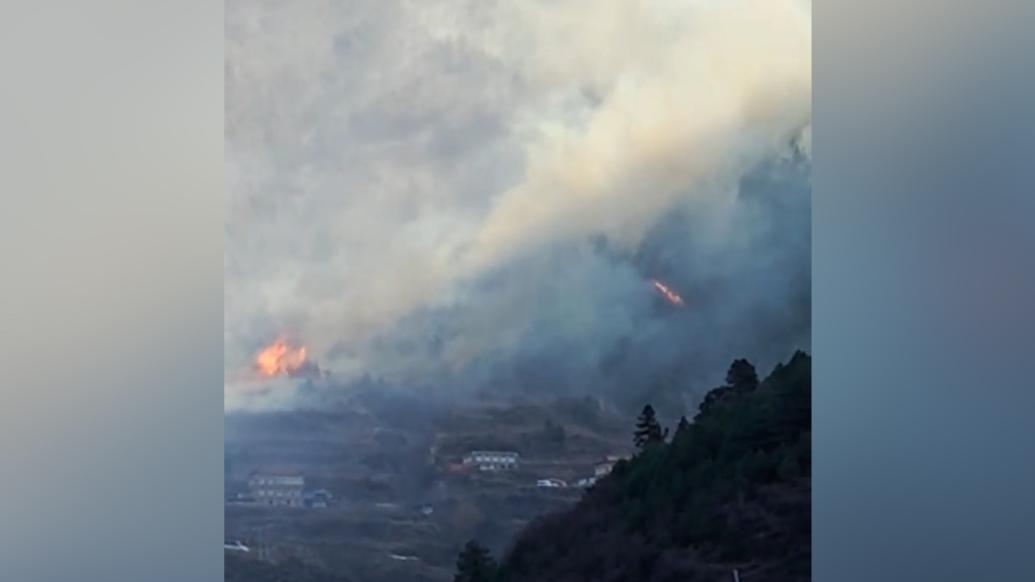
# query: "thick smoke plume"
(455, 196)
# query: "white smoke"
(383, 157)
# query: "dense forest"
(728, 491)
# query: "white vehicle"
(586, 482)
(235, 546)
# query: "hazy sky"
(412, 186)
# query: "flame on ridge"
(280, 358)
(666, 292)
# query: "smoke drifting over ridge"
(459, 195)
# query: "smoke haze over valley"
(444, 198)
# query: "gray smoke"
(460, 196)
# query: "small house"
(277, 488)
(492, 460)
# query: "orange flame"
(670, 295)
(279, 358)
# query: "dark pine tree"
(740, 379)
(683, 426)
(648, 431)
(475, 564)
(742, 376)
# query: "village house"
(492, 460)
(600, 470)
(277, 488)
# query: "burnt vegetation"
(730, 490)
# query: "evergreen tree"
(742, 376)
(475, 564)
(648, 430)
(683, 426)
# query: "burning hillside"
(282, 359)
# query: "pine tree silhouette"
(683, 425)
(475, 564)
(742, 376)
(648, 430)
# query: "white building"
(551, 483)
(280, 489)
(492, 460)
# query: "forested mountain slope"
(730, 490)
